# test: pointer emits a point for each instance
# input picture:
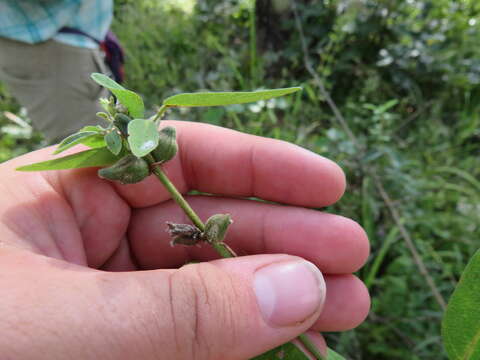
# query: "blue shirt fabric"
(34, 21)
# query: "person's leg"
(52, 81)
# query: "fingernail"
(289, 292)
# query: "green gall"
(121, 122)
(216, 228)
(167, 145)
(127, 170)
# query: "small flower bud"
(103, 115)
(105, 104)
(216, 228)
(108, 105)
(127, 170)
(120, 108)
(167, 145)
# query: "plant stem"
(222, 249)
(159, 113)
(177, 197)
(303, 338)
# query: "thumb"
(225, 309)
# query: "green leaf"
(132, 101)
(291, 352)
(332, 355)
(94, 142)
(73, 140)
(225, 98)
(88, 158)
(95, 128)
(461, 323)
(142, 136)
(114, 142)
(284, 352)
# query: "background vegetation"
(405, 75)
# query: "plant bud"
(105, 104)
(127, 170)
(120, 108)
(121, 122)
(216, 228)
(167, 145)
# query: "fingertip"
(359, 244)
(335, 182)
(347, 304)
(363, 303)
(319, 181)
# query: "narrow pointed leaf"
(225, 98)
(142, 136)
(73, 140)
(94, 142)
(461, 323)
(284, 352)
(88, 158)
(132, 101)
(114, 142)
(95, 128)
(291, 352)
(332, 355)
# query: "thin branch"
(376, 179)
(221, 248)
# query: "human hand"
(71, 245)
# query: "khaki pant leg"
(52, 81)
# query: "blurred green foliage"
(406, 76)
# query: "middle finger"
(337, 245)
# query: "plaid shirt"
(34, 21)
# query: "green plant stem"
(303, 338)
(222, 249)
(160, 113)
(178, 198)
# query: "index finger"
(226, 162)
